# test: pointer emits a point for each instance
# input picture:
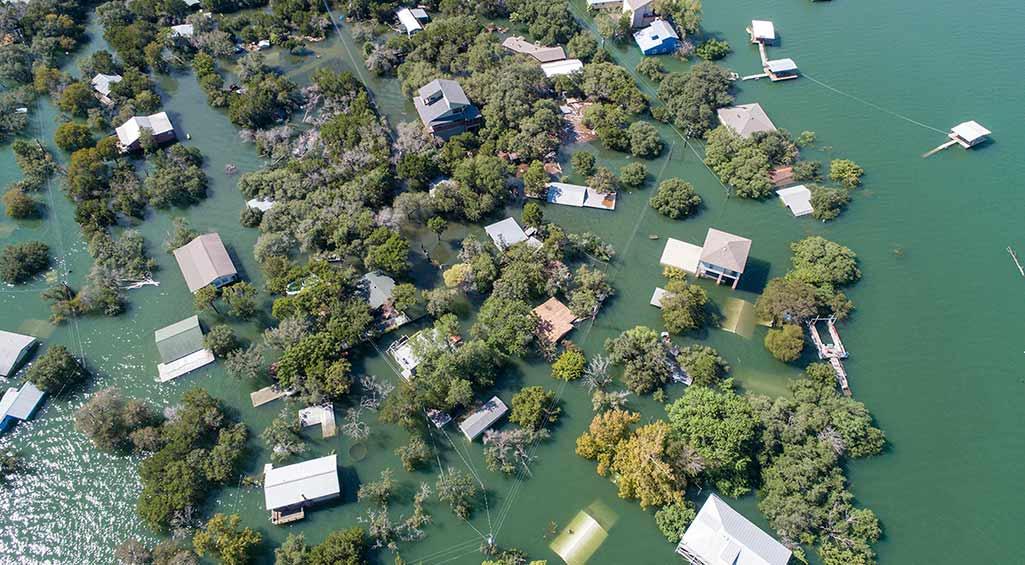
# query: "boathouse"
(658, 38)
(556, 320)
(507, 233)
(539, 52)
(564, 67)
(14, 349)
(289, 490)
(444, 108)
(204, 261)
(181, 349)
(159, 126)
(101, 83)
(723, 256)
(969, 134)
(410, 19)
(720, 534)
(781, 69)
(475, 424)
(797, 199)
(762, 31)
(19, 405)
(641, 12)
(579, 196)
(745, 119)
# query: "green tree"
(704, 364)
(414, 454)
(241, 299)
(644, 140)
(692, 98)
(293, 551)
(108, 419)
(224, 538)
(533, 216)
(845, 172)
(786, 343)
(583, 163)
(685, 13)
(76, 99)
(437, 225)
(534, 407)
(604, 435)
(651, 69)
(205, 298)
(643, 356)
(22, 261)
(505, 324)
(712, 49)
(787, 300)
(684, 307)
(570, 365)
(388, 251)
(221, 340)
(675, 199)
(19, 205)
(603, 180)
(405, 296)
(818, 261)
(344, 547)
(633, 175)
(72, 136)
(673, 520)
(56, 369)
(828, 203)
(459, 490)
(643, 469)
(535, 179)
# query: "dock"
(322, 415)
(267, 394)
(755, 77)
(278, 518)
(834, 351)
(950, 143)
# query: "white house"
(508, 233)
(564, 67)
(290, 489)
(797, 199)
(658, 38)
(14, 348)
(410, 19)
(722, 536)
(159, 125)
(101, 84)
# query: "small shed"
(410, 19)
(723, 256)
(507, 233)
(797, 198)
(720, 534)
(781, 69)
(181, 349)
(745, 119)
(19, 404)
(14, 348)
(681, 255)
(205, 261)
(564, 67)
(762, 31)
(101, 83)
(475, 424)
(556, 319)
(658, 38)
(579, 196)
(539, 52)
(293, 487)
(657, 296)
(968, 134)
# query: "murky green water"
(934, 342)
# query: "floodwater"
(935, 351)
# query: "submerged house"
(745, 119)
(641, 12)
(14, 348)
(579, 196)
(564, 67)
(101, 83)
(477, 423)
(289, 490)
(658, 38)
(19, 405)
(410, 19)
(183, 30)
(797, 199)
(377, 289)
(507, 233)
(539, 52)
(181, 348)
(723, 256)
(204, 261)
(555, 320)
(444, 108)
(159, 126)
(721, 535)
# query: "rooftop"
(20, 404)
(655, 34)
(378, 288)
(204, 260)
(475, 424)
(183, 30)
(506, 233)
(439, 97)
(781, 65)
(746, 119)
(721, 535)
(541, 53)
(970, 131)
(681, 255)
(128, 133)
(763, 29)
(301, 482)
(726, 250)
(179, 340)
(13, 349)
(409, 20)
(636, 4)
(797, 198)
(565, 67)
(657, 296)
(101, 83)
(556, 319)
(579, 196)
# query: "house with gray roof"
(158, 125)
(289, 490)
(204, 261)
(539, 52)
(721, 535)
(14, 348)
(723, 256)
(745, 119)
(475, 424)
(102, 83)
(181, 348)
(19, 405)
(444, 108)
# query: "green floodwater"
(935, 353)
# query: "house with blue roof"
(658, 38)
(19, 405)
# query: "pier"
(278, 518)
(834, 351)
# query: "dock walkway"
(267, 394)
(834, 352)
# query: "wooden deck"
(267, 394)
(278, 519)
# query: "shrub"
(712, 50)
(633, 175)
(23, 261)
(845, 172)
(570, 365)
(19, 205)
(786, 343)
(583, 163)
(675, 199)
(56, 369)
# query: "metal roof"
(565, 67)
(763, 29)
(681, 255)
(408, 20)
(721, 535)
(797, 198)
(781, 65)
(180, 339)
(745, 119)
(204, 260)
(377, 288)
(310, 480)
(128, 133)
(101, 83)
(21, 404)
(506, 233)
(970, 131)
(475, 424)
(183, 30)
(725, 250)
(655, 34)
(13, 348)
(637, 4)
(439, 97)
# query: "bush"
(644, 140)
(23, 261)
(675, 199)
(683, 307)
(603, 180)
(672, 520)
(414, 454)
(221, 340)
(827, 203)
(651, 68)
(19, 205)
(583, 163)
(807, 171)
(786, 343)
(845, 172)
(703, 364)
(570, 365)
(633, 175)
(56, 369)
(73, 136)
(712, 50)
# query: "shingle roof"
(725, 250)
(203, 260)
(179, 339)
(306, 481)
(556, 317)
(101, 83)
(541, 53)
(129, 132)
(720, 534)
(13, 348)
(451, 97)
(746, 119)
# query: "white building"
(969, 133)
(101, 84)
(745, 119)
(564, 67)
(720, 535)
(410, 19)
(14, 348)
(183, 30)
(641, 12)
(507, 233)
(475, 424)
(797, 199)
(293, 487)
(159, 125)
(762, 31)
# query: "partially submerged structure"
(204, 261)
(797, 199)
(101, 83)
(969, 134)
(377, 289)
(723, 256)
(14, 349)
(658, 38)
(781, 69)
(261, 204)
(722, 536)
(579, 196)
(745, 119)
(183, 30)
(507, 233)
(556, 320)
(158, 125)
(564, 67)
(411, 19)
(657, 296)
(538, 52)
(762, 31)
(181, 349)
(289, 490)
(322, 415)
(681, 255)
(641, 12)
(444, 108)
(407, 349)
(19, 405)
(475, 424)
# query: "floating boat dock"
(834, 352)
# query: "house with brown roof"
(556, 320)
(723, 256)
(204, 261)
(539, 52)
